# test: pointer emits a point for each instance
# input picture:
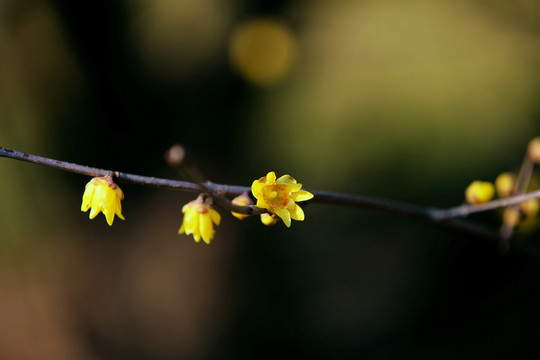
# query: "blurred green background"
(407, 100)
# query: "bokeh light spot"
(262, 51)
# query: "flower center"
(277, 195)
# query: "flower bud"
(533, 150)
(269, 219)
(242, 200)
(511, 216)
(479, 192)
(505, 184)
(529, 207)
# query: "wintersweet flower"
(279, 196)
(103, 195)
(199, 220)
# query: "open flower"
(103, 195)
(199, 220)
(279, 196)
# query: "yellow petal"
(207, 229)
(216, 217)
(87, 196)
(109, 215)
(95, 210)
(297, 213)
(301, 195)
(286, 179)
(271, 177)
(256, 188)
(294, 187)
(285, 216)
(182, 229)
(119, 209)
(191, 221)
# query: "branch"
(445, 218)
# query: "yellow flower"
(242, 200)
(479, 192)
(198, 218)
(279, 196)
(103, 195)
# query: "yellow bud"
(269, 219)
(511, 216)
(529, 207)
(533, 150)
(242, 200)
(505, 184)
(479, 192)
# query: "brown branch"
(445, 218)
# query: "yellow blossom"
(242, 200)
(198, 218)
(479, 192)
(103, 195)
(279, 196)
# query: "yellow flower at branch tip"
(505, 184)
(103, 195)
(279, 196)
(269, 219)
(199, 220)
(479, 192)
(242, 200)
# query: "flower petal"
(182, 228)
(216, 217)
(271, 177)
(284, 215)
(294, 187)
(87, 196)
(297, 213)
(286, 179)
(301, 195)
(207, 229)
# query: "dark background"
(408, 100)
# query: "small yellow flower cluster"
(277, 196)
(479, 192)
